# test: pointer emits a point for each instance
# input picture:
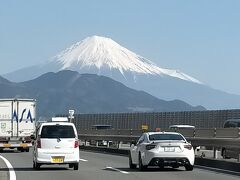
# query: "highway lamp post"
(71, 115)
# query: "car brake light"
(38, 143)
(150, 146)
(76, 144)
(188, 146)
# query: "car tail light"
(150, 146)
(188, 146)
(76, 144)
(38, 143)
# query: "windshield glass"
(59, 131)
(165, 137)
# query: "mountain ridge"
(87, 93)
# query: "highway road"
(98, 166)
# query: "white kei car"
(161, 149)
(56, 143)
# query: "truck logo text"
(29, 116)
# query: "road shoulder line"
(12, 174)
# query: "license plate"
(169, 149)
(57, 159)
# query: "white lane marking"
(84, 160)
(217, 169)
(11, 170)
(118, 170)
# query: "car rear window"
(165, 137)
(57, 131)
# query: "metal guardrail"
(216, 138)
(110, 135)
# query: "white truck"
(17, 123)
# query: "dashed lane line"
(84, 160)
(118, 170)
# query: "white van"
(181, 126)
(56, 143)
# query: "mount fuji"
(103, 56)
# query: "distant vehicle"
(161, 149)
(56, 143)
(181, 127)
(232, 123)
(101, 126)
(231, 152)
(17, 123)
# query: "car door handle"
(57, 147)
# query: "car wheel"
(131, 165)
(175, 166)
(71, 165)
(20, 149)
(140, 165)
(224, 154)
(189, 167)
(75, 166)
(36, 165)
(27, 150)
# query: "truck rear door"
(5, 118)
(26, 118)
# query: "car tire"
(20, 149)
(71, 165)
(27, 150)
(131, 165)
(224, 154)
(36, 165)
(189, 167)
(75, 166)
(140, 165)
(175, 166)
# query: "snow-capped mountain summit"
(102, 54)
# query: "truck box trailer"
(17, 123)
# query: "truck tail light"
(38, 143)
(76, 144)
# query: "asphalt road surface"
(98, 166)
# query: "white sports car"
(161, 149)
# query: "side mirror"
(32, 137)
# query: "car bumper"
(168, 159)
(44, 157)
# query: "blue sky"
(200, 38)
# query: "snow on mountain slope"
(103, 56)
(101, 53)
